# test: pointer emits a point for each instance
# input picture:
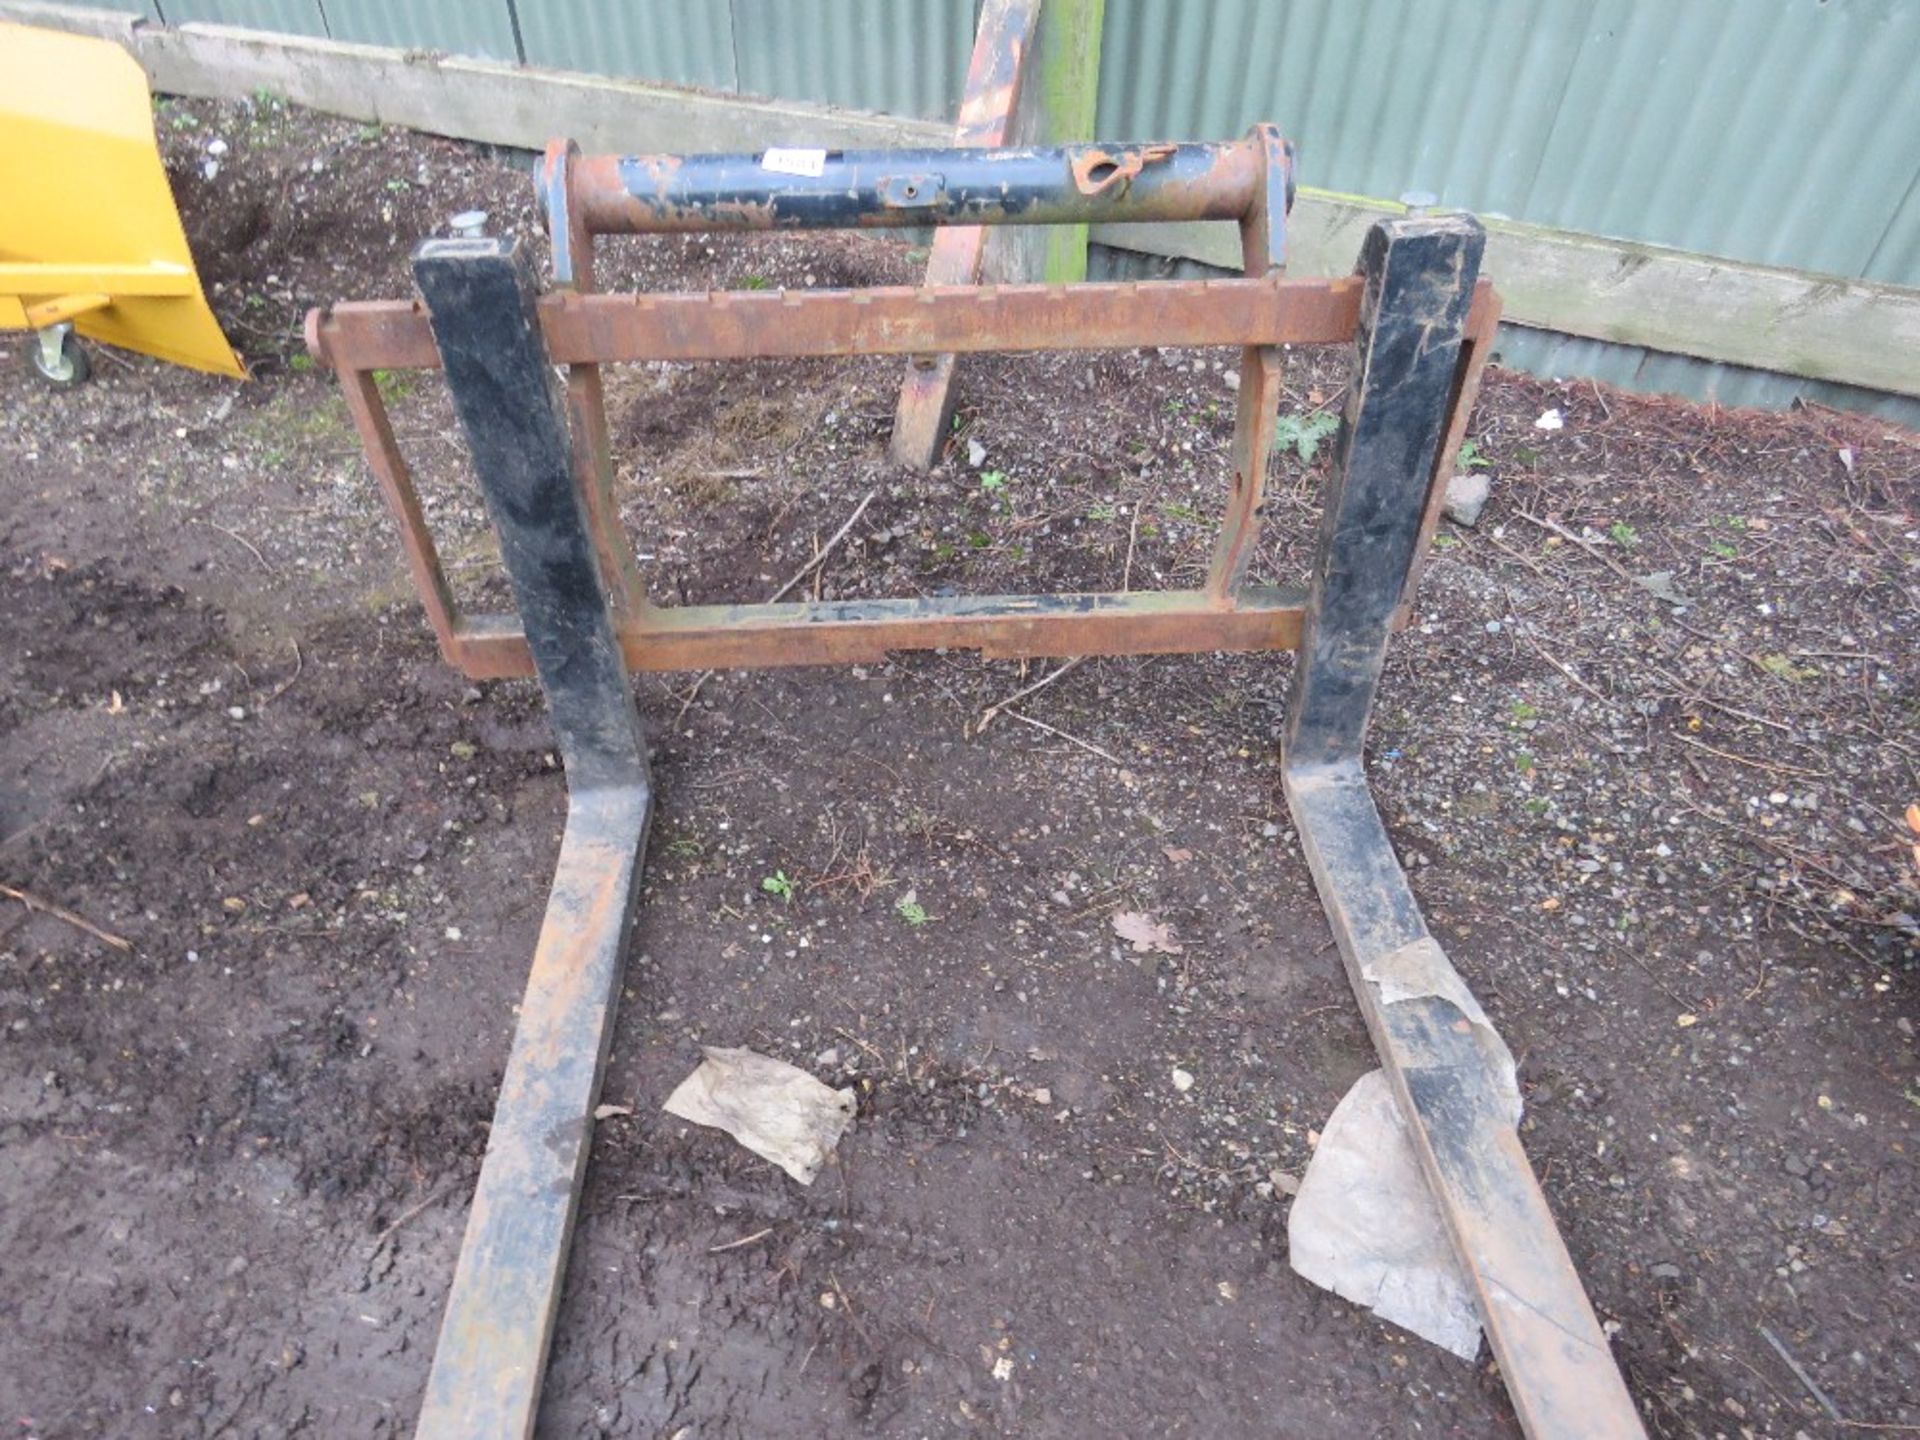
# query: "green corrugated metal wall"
(1775, 131)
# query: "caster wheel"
(60, 360)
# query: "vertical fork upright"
(487, 1368)
(1451, 1074)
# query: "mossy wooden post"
(995, 77)
(1069, 84)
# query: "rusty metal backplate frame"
(1261, 316)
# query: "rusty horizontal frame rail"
(883, 320)
(585, 330)
(847, 632)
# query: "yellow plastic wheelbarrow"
(89, 238)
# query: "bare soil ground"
(1660, 833)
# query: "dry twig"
(299, 664)
(1086, 745)
(1556, 528)
(743, 1240)
(238, 538)
(60, 912)
(819, 558)
(410, 1213)
(1767, 766)
(986, 715)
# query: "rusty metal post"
(1483, 329)
(1450, 1071)
(572, 261)
(1263, 249)
(994, 79)
(487, 1368)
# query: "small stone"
(1666, 1272)
(1467, 492)
(976, 453)
(1042, 1096)
(1182, 1080)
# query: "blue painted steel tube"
(877, 189)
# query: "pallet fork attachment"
(1420, 322)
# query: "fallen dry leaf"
(1180, 857)
(1146, 933)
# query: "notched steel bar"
(1447, 1070)
(488, 1366)
(885, 320)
